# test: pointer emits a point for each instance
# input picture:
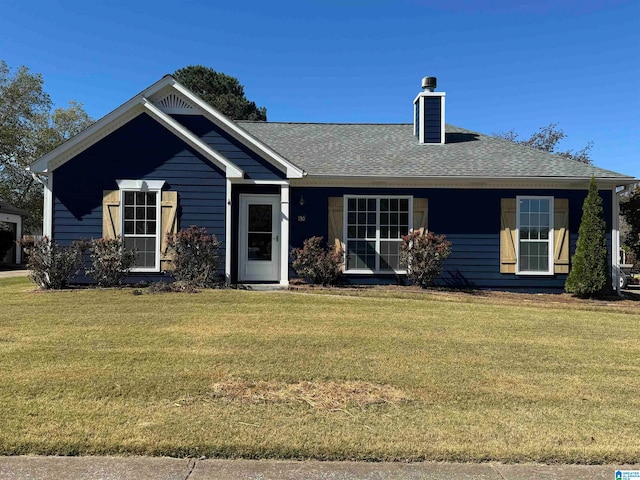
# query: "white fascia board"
(97, 131)
(231, 170)
(569, 183)
(240, 134)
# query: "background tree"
(589, 271)
(28, 130)
(630, 210)
(221, 91)
(547, 139)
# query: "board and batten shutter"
(420, 214)
(508, 235)
(561, 235)
(110, 213)
(168, 226)
(336, 222)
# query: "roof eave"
(461, 181)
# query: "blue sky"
(518, 64)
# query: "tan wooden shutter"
(561, 235)
(420, 214)
(168, 226)
(508, 235)
(336, 222)
(110, 213)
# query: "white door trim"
(260, 271)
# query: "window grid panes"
(534, 219)
(375, 226)
(140, 226)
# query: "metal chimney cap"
(429, 83)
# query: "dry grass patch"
(330, 396)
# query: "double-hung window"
(535, 235)
(375, 226)
(140, 211)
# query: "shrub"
(317, 263)
(53, 266)
(422, 253)
(195, 257)
(111, 261)
(589, 271)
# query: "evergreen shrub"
(589, 276)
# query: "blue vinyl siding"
(432, 119)
(141, 149)
(253, 165)
(469, 218)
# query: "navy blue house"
(166, 160)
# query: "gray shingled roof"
(391, 150)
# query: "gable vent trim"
(173, 103)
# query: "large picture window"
(375, 226)
(535, 235)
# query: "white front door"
(259, 238)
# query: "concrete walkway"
(13, 273)
(125, 468)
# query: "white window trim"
(550, 241)
(144, 186)
(345, 235)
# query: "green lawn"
(372, 376)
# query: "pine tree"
(589, 272)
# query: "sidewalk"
(14, 273)
(130, 468)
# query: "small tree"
(53, 266)
(195, 257)
(111, 262)
(222, 91)
(547, 139)
(422, 253)
(589, 272)
(317, 263)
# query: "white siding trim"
(47, 220)
(284, 235)
(443, 134)
(227, 233)
(140, 185)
